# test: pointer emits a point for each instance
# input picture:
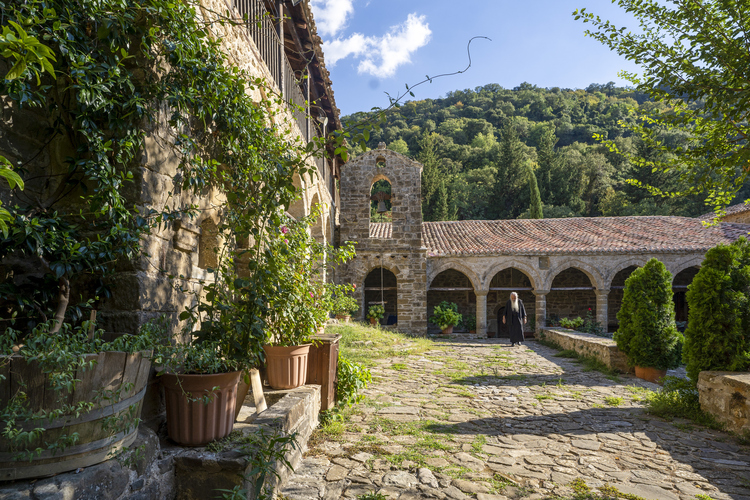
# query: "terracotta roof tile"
(381, 230)
(731, 210)
(580, 235)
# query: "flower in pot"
(200, 386)
(375, 313)
(647, 333)
(300, 304)
(446, 316)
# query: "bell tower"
(381, 211)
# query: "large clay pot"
(287, 366)
(115, 382)
(650, 374)
(447, 331)
(373, 321)
(242, 389)
(344, 318)
(192, 422)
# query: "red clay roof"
(579, 235)
(734, 209)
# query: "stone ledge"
(725, 396)
(158, 470)
(592, 346)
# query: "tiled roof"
(381, 229)
(579, 235)
(731, 210)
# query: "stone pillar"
(481, 313)
(541, 309)
(602, 303)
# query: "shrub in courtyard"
(573, 324)
(445, 315)
(718, 331)
(648, 334)
(351, 378)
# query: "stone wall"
(726, 396)
(585, 344)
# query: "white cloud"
(382, 55)
(331, 15)
(395, 48)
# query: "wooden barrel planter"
(116, 384)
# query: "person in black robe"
(515, 318)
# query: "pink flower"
(355, 286)
(589, 309)
(286, 241)
(311, 295)
(284, 229)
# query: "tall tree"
(428, 157)
(444, 210)
(545, 154)
(535, 205)
(511, 175)
(694, 57)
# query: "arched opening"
(381, 287)
(297, 208)
(380, 201)
(502, 284)
(571, 295)
(451, 286)
(208, 245)
(317, 229)
(680, 285)
(616, 291)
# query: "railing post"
(282, 54)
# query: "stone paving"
(480, 419)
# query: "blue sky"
(377, 46)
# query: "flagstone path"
(479, 419)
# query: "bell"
(381, 207)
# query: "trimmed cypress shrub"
(647, 333)
(718, 331)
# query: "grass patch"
(364, 343)
(542, 397)
(613, 400)
(478, 443)
(398, 366)
(678, 397)
(566, 353)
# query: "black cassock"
(514, 321)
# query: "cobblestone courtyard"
(479, 419)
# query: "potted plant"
(343, 305)
(299, 307)
(446, 316)
(200, 386)
(647, 333)
(470, 323)
(375, 313)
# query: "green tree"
(718, 332)
(535, 207)
(694, 56)
(511, 175)
(647, 333)
(428, 157)
(444, 210)
(545, 153)
(399, 146)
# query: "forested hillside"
(493, 153)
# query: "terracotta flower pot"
(192, 422)
(242, 390)
(650, 374)
(345, 318)
(447, 331)
(287, 366)
(373, 321)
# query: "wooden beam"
(377, 288)
(451, 289)
(572, 288)
(511, 289)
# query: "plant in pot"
(375, 313)
(647, 333)
(446, 316)
(343, 305)
(470, 323)
(299, 306)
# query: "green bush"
(573, 324)
(718, 330)
(678, 397)
(445, 314)
(377, 311)
(470, 322)
(648, 334)
(351, 378)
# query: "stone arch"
(327, 228)
(380, 177)
(454, 286)
(680, 282)
(687, 263)
(467, 271)
(597, 281)
(619, 266)
(524, 268)
(208, 244)
(317, 229)
(571, 292)
(374, 290)
(298, 208)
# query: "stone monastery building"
(559, 267)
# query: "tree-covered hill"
(488, 151)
